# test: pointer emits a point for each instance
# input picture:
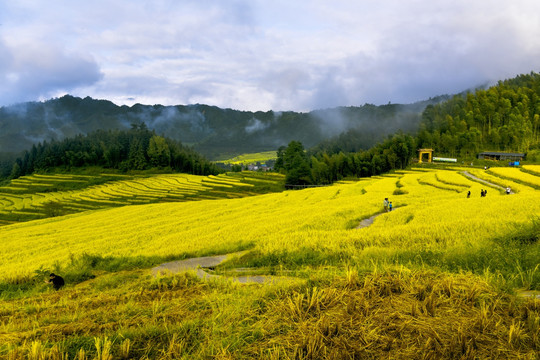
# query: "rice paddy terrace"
(436, 278)
(38, 196)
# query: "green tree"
(159, 153)
(16, 170)
(279, 165)
(136, 158)
(296, 164)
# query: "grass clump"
(400, 315)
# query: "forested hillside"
(212, 131)
(135, 149)
(317, 166)
(505, 117)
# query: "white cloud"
(260, 55)
(36, 71)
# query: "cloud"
(259, 55)
(255, 125)
(35, 71)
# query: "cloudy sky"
(253, 55)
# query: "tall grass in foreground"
(398, 314)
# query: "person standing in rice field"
(390, 206)
(56, 280)
(385, 203)
(469, 194)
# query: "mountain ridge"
(210, 130)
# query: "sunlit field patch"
(515, 174)
(252, 158)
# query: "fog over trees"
(214, 132)
(318, 147)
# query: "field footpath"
(472, 177)
(367, 222)
(209, 262)
(535, 294)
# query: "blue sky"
(262, 55)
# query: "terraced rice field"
(434, 279)
(433, 212)
(30, 197)
(517, 175)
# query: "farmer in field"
(385, 203)
(508, 191)
(56, 281)
(469, 194)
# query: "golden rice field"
(261, 157)
(433, 216)
(435, 278)
(515, 174)
(29, 197)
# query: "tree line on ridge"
(504, 117)
(135, 149)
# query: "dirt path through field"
(469, 175)
(191, 264)
(208, 262)
(367, 222)
(535, 294)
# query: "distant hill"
(212, 131)
(503, 117)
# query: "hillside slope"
(211, 130)
(41, 196)
(504, 117)
(432, 217)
